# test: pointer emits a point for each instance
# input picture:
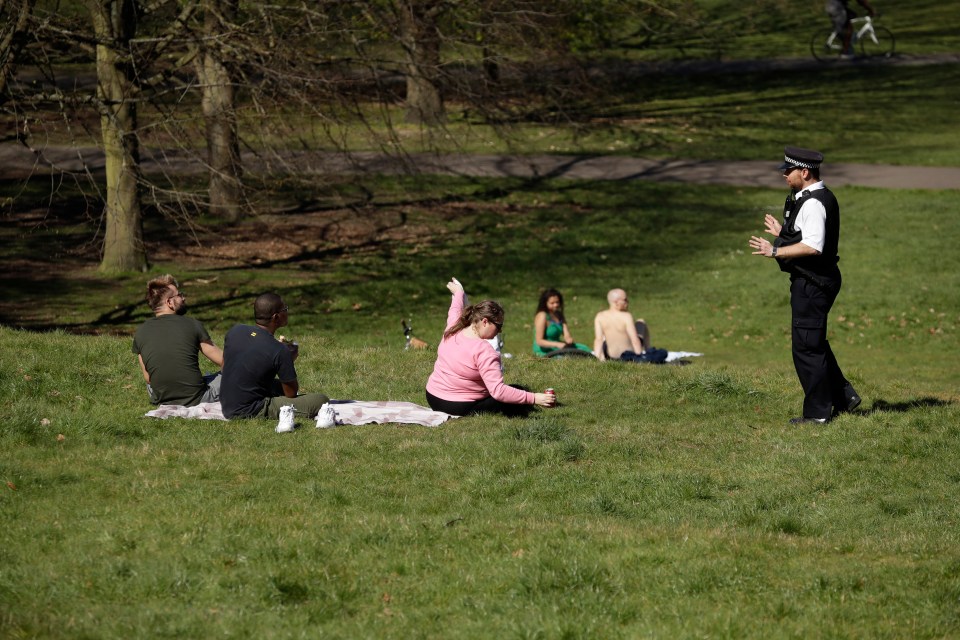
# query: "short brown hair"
(158, 288)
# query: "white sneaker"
(326, 417)
(286, 419)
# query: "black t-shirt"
(169, 345)
(252, 362)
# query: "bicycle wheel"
(825, 45)
(882, 47)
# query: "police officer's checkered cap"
(804, 158)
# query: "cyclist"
(841, 14)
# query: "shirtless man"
(618, 336)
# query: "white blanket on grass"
(353, 412)
(679, 355)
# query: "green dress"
(554, 332)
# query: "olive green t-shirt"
(169, 345)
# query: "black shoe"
(852, 400)
(809, 420)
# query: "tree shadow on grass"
(497, 240)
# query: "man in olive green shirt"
(167, 348)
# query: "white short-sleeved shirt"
(812, 219)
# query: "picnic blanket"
(679, 355)
(353, 412)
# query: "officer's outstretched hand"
(773, 225)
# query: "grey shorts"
(212, 394)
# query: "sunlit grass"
(699, 288)
(654, 501)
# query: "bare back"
(618, 330)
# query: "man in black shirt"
(258, 372)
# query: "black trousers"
(473, 407)
(820, 376)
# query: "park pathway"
(17, 162)
(755, 173)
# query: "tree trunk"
(12, 38)
(491, 68)
(420, 37)
(114, 24)
(223, 144)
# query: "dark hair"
(266, 306)
(815, 173)
(544, 297)
(488, 309)
(158, 288)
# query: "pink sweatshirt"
(469, 368)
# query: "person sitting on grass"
(619, 337)
(551, 335)
(258, 373)
(167, 347)
(467, 378)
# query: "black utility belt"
(820, 281)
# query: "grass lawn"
(656, 501)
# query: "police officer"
(806, 248)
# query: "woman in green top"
(551, 336)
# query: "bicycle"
(872, 40)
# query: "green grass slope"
(656, 501)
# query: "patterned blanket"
(348, 412)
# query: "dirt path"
(18, 162)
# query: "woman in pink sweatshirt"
(467, 377)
